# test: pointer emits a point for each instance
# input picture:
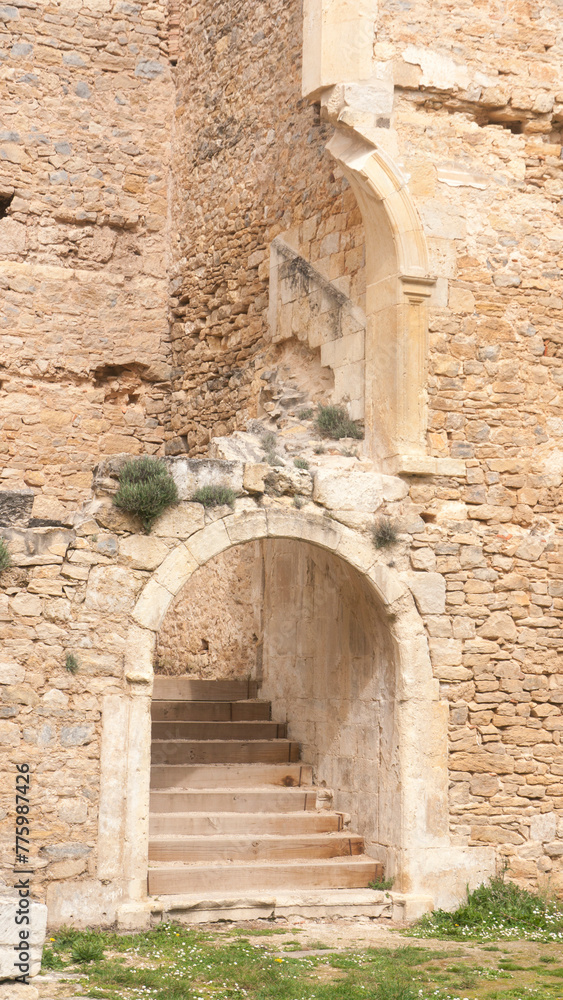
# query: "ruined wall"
(245, 171)
(214, 628)
(86, 106)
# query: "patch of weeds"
(495, 947)
(316, 945)
(65, 937)
(381, 885)
(214, 496)
(146, 489)
(71, 664)
(334, 422)
(272, 459)
(5, 557)
(269, 441)
(87, 950)
(306, 414)
(50, 960)
(497, 909)
(299, 502)
(300, 463)
(543, 958)
(384, 533)
(319, 449)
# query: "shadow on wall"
(304, 623)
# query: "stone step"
(184, 688)
(258, 847)
(225, 800)
(256, 903)
(210, 711)
(218, 730)
(331, 873)
(167, 824)
(229, 775)
(224, 751)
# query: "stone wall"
(329, 670)
(244, 173)
(215, 628)
(83, 241)
(78, 591)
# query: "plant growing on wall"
(5, 558)
(146, 489)
(383, 533)
(71, 664)
(334, 422)
(214, 496)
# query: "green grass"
(497, 909)
(334, 422)
(174, 963)
(214, 496)
(146, 489)
(381, 885)
(300, 463)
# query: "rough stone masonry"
(186, 268)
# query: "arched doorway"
(412, 804)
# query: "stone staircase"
(233, 809)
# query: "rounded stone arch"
(397, 292)
(424, 863)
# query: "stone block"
(247, 526)
(77, 736)
(543, 827)
(429, 591)
(142, 551)
(357, 491)
(389, 584)
(111, 589)
(176, 569)
(73, 810)
(11, 672)
(15, 507)
(209, 542)
(445, 652)
(254, 476)
(27, 605)
(179, 521)
(139, 650)
(190, 474)
(423, 560)
(10, 909)
(86, 903)
(484, 784)
(312, 528)
(499, 625)
(152, 605)
(9, 734)
(289, 481)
